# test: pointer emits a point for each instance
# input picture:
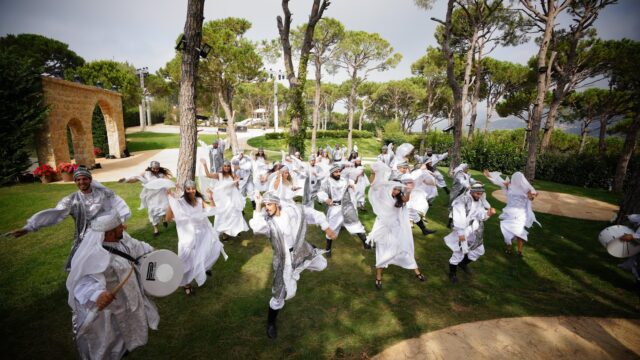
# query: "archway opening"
(99, 131)
(75, 135)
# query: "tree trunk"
(475, 97)
(316, 107)
(602, 146)
(231, 123)
(542, 86)
(490, 108)
(583, 137)
(630, 203)
(352, 105)
(627, 151)
(455, 88)
(552, 115)
(190, 57)
(362, 113)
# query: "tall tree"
(432, 68)
(361, 53)
(400, 100)
(22, 112)
(501, 78)
(544, 18)
(109, 73)
(577, 59)
(187, 101)
(233, 60)
(297, 109)
(622, 64)
(47, 55)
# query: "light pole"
(142, 72)
(275, 76)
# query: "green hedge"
(324, 134)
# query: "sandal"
(189, 290)
(421, 277)
(379, 284)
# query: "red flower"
(67, 168)
(44, 170)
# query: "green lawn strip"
(367, 147)
(142, 141)
(336, 313)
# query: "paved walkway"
(562, 337)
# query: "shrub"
(392, 133)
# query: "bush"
(392, 133)
(22, 112)
(324, 134)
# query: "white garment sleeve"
(322, 196)
(89, 287)
(315, 217)
(495, 179)
(258, 224)
(459, 219)
(121, 207)
(49, 217)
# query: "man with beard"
(285, 225)
(216, 155)
(90, 201)
(338, 195)
(470, 211)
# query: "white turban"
(106, 222)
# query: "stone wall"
(71, 104)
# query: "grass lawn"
(367, 147)
(336, 313)
(142, 141)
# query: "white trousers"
(458, 256)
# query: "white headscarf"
(459, 168)
(520, 184)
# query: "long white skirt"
(394, 245)
(512, 224)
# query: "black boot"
(450, 223)
(328, 248)
(446, 189)
(363, 238)
(424, 229)
(463, 265)
(253, 204)
(453, 269)
(272, 332)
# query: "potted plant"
(66, 170)
(45, 173)
(97, 152)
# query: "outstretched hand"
(485, 172)
(330, 233)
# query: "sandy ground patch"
(572, 206)
(526, 338)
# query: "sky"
(144, 32)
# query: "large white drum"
(161, 272)
(610, 239)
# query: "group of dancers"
(283, 194)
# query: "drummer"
(111, 314)
(632, 264)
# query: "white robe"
(229, 205)
(121, 326)
(288, 223)
(334, 212)
(198, 243)
(260, 170)
(391, 232)
(360, 180)
(154, 196)
(244, 174)
(518, 215)
(467, 225)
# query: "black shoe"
(272, 332)
(453, 277)
(446, 189)
(165, 224)
(450, 223)
(363, 238)
(466, 269)
(379, 284)
(328, 254)
(208, 272)
(253, 204)
(421, 277)
(156, 234)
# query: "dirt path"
(526, 338)
(572, 206)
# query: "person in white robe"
(111, 315)
(417, 206)
(90, 201)
(242, 169)
(338, 194)
(518, 215)
(285, 223)
(462, 182)
(432, 160)
(470, 211)
(338, 154)
(425, 181)
(632, 264)
(354, 170)
(260, 172)
(391, 233)
(155, 183)
(229, 219)
(386, 154)
(324, 157)
(216, 155)
(317, 174)
(403, 153)
(199, 246)
(283, 185)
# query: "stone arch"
(72, 104)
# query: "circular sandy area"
(572, 206)
(526, 338)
